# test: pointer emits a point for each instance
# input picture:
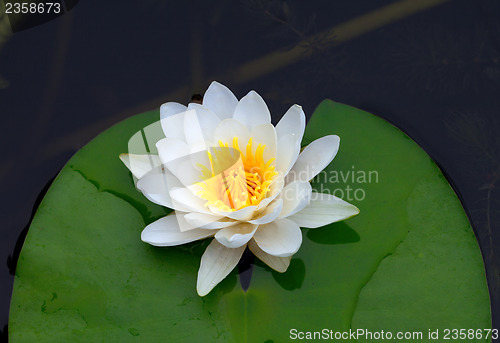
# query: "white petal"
(143, 141)
(155, 187)
(172, 119)
(194, 132)
(252, 111)
(200, 219)
(230, 128)
(220, 100)
(314, 158)
(184, 197)
(322, 210)
(270, 213)
(243, 214)
(139, 165)
(166, 232)
(292, 123)
(288, 150)
(186, 172)
(171, 149)
(175, 155)
(263, 204)
(205, 118)
(274, 191)
(237, 235)
(264, 134)
(216, 263)
(280, 264)
(208, 221)
(296, 195)
(280, 238)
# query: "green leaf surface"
(408, 262)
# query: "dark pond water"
(432, 68)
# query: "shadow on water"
(294, 277)
(245, 269)
(4, 334)
(336, 233)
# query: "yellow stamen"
(235, 180)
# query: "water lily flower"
(228, 173)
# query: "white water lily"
(228, 173)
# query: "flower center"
(236, 179)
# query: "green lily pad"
(408, 262)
